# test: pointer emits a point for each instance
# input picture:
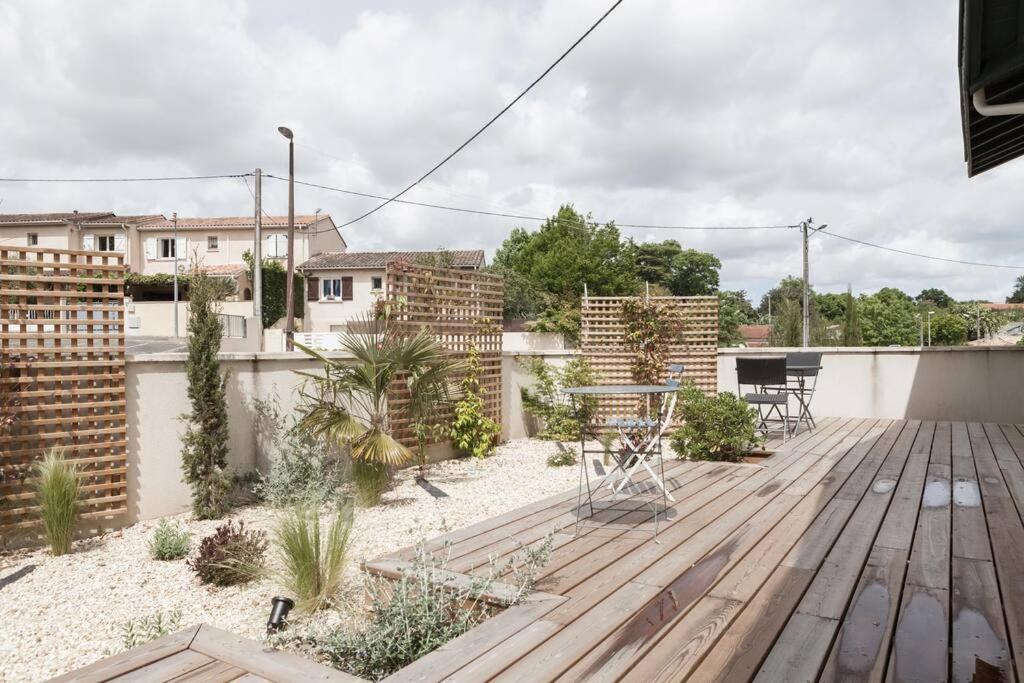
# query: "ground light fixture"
(279, 608)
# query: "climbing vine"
(651, 330)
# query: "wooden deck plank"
(979, 642)
(212, 672)
(970, 530)
(125, 662)
(166, 669)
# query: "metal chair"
(647, 446)
(767, 376)
(809, 363)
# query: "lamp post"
(920, 331)
(289, 326)
(174, 246)
(930, 314)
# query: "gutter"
(985, 109)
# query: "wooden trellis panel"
(603, 342)
(62, 337)
(461, 307)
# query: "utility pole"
(978, 329)
(174, 245)
(930, 314)
(257, 259)
(806, 337)
(289, 329)
(805, 226)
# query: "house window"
(211, 243)
(165, 248)
(376, 283)
(33, 239)
(337, 289)
(105, 243)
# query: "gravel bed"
(66, 612)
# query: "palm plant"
(347, 405)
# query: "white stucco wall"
(321, 314)
(156, 318)
(50, 236)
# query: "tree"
(935, 296)
(949, 329)
(205, 444)
(888, 318)
(694, 273)
(734, 309)
(553, 264)
(654, 260)
(852, 333)
(790, 288)
(274, 283)
(831, 306)
(1017, 297)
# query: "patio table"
(646, 444)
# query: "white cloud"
(676, 113)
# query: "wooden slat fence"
(603, 343)
(62, 342)
(462, 308)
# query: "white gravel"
(68, 611)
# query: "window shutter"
(119, 243)
(89, 242)
(181, 248)
(282, 245)
(312, 289)
(150, 248)
(346, 289)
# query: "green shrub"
(303, 470)
(562, 457)
(230, 555)
(472, 431)
(546, 401)
(141, 630)
(718, 427)
(57, 489)
(949, 330)
(420, 612)
(168, 542)
(312, 561)
(371, 480)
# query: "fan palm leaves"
(347, 403)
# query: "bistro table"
(800, 373)
(641, 440)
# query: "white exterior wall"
(321, 314)
(156, 318)
(50, 236)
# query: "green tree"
(694, 273)
(935, 296)
(205, 444)
(852, 335)
(734, 309)
(553, 264)
(831, 306)
(275, 280)
(654, 260)
(1017, 297)
(790, 288)
(949, 329)
(887, 318)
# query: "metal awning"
(991, 63)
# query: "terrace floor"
(867, 549)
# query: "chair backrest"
(761, 370)
(805, 359)
(675, 370)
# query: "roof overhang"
(991, 61)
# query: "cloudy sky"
(678, 113)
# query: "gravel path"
(66, 612)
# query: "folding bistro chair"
(642, 449)
(802, 366)
(767, 376)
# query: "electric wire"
(124, 180)
(918, 255)
(487, 125)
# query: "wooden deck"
(868, 549)
(203, 654)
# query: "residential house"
(342, 286)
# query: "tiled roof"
(230, 223)
(113, 219)
(52, 217)
(337, 260)
(225, 269)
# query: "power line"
(487, 125)
(924, 256)
(525, 217)
(123, 180)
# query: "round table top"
(602, 389)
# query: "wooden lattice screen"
(63, 378)
(462, 308)
(603, 343)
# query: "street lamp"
(930, 314)
(920, 332)
(289, 326)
